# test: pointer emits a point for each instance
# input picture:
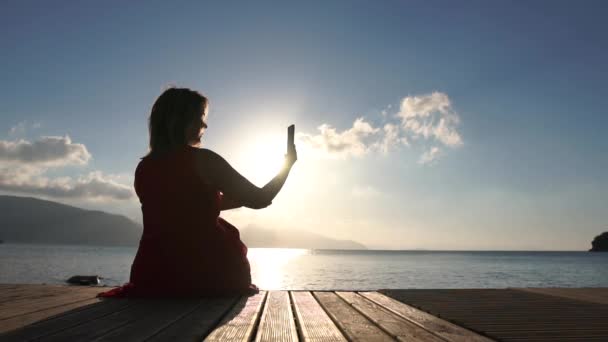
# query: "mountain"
(600, 243)
(254, 236)
(31, 220)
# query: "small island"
(600, 243)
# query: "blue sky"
(527, 81)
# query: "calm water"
(330, 269)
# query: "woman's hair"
(171, 114)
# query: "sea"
(312, 269)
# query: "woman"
(186, 249)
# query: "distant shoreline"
(325, 249)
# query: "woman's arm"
(216, 171)
(272, 188)
(227, 203)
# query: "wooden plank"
(25, 294)
(601, 328)
(26, 305)
(20, 295)
(162, 314)
(43, 288)
(93, 329)
(28, 292)
(350, 321)
(438, 326)
(239, 323)
(65, 320)
(314, 323)
(561, 339)
(513, 314)
(277, 323)
(522, 319)
(556, 334)
(526, 325)
(33, 317)
(513, 309)
(592, 295)
(27, 297)
(198, 323)
(56, 312)
(401, 329)
(15, 288)
(30, 287)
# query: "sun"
(262, 158)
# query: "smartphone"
(290, 133)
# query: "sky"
(468, 125)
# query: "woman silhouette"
(186, 249)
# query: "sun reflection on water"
(268, 265)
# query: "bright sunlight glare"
(268, 265)
(263, 157)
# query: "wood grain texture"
(438, 326)
(65, 320)
(72, 313)
(20, 293)
(241, 320)
(30, 291)
(28, 305)
(350, 321)
(17, 322)
(197, 324)
(315, 325)
(589, 294)
(90, 330)
(510, 314)
(277, 322)
(161, 315)
(401, 329)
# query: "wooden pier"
(70, 313)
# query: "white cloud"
(430, 117)
(351, 142)
(23, 165)
(391, 139)
(48, 151)
(430, 155)
(422, 120)
(94, 186)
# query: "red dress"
(186, 249)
